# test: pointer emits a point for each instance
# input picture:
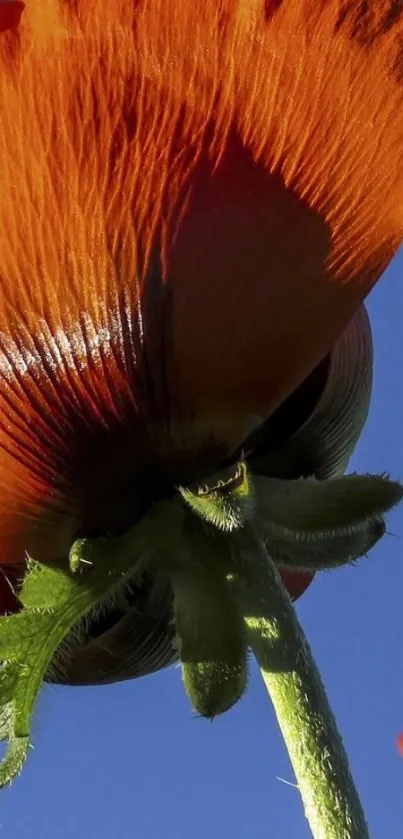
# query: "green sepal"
(321, 551)
(211, 636)
(332, 506)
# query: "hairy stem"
(316, 751)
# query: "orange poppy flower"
(194, 201)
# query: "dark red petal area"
(10, 579)
(296, 582)
(10, 14)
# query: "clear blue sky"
(131, 761)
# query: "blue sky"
(132, 761)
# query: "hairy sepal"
(225, 501)
(211, 638)
(337, 506)
(321, 550)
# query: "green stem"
(316, 751)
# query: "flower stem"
(316, 751)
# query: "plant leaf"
(6, 711)
(14, 759)
(46, 587)
(53, 602)
(9, 674)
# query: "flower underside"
(169, 218)
(192, 538)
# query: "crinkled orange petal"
(194, 199)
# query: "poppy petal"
(179, 216)
(10, 14)
(296, 582)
